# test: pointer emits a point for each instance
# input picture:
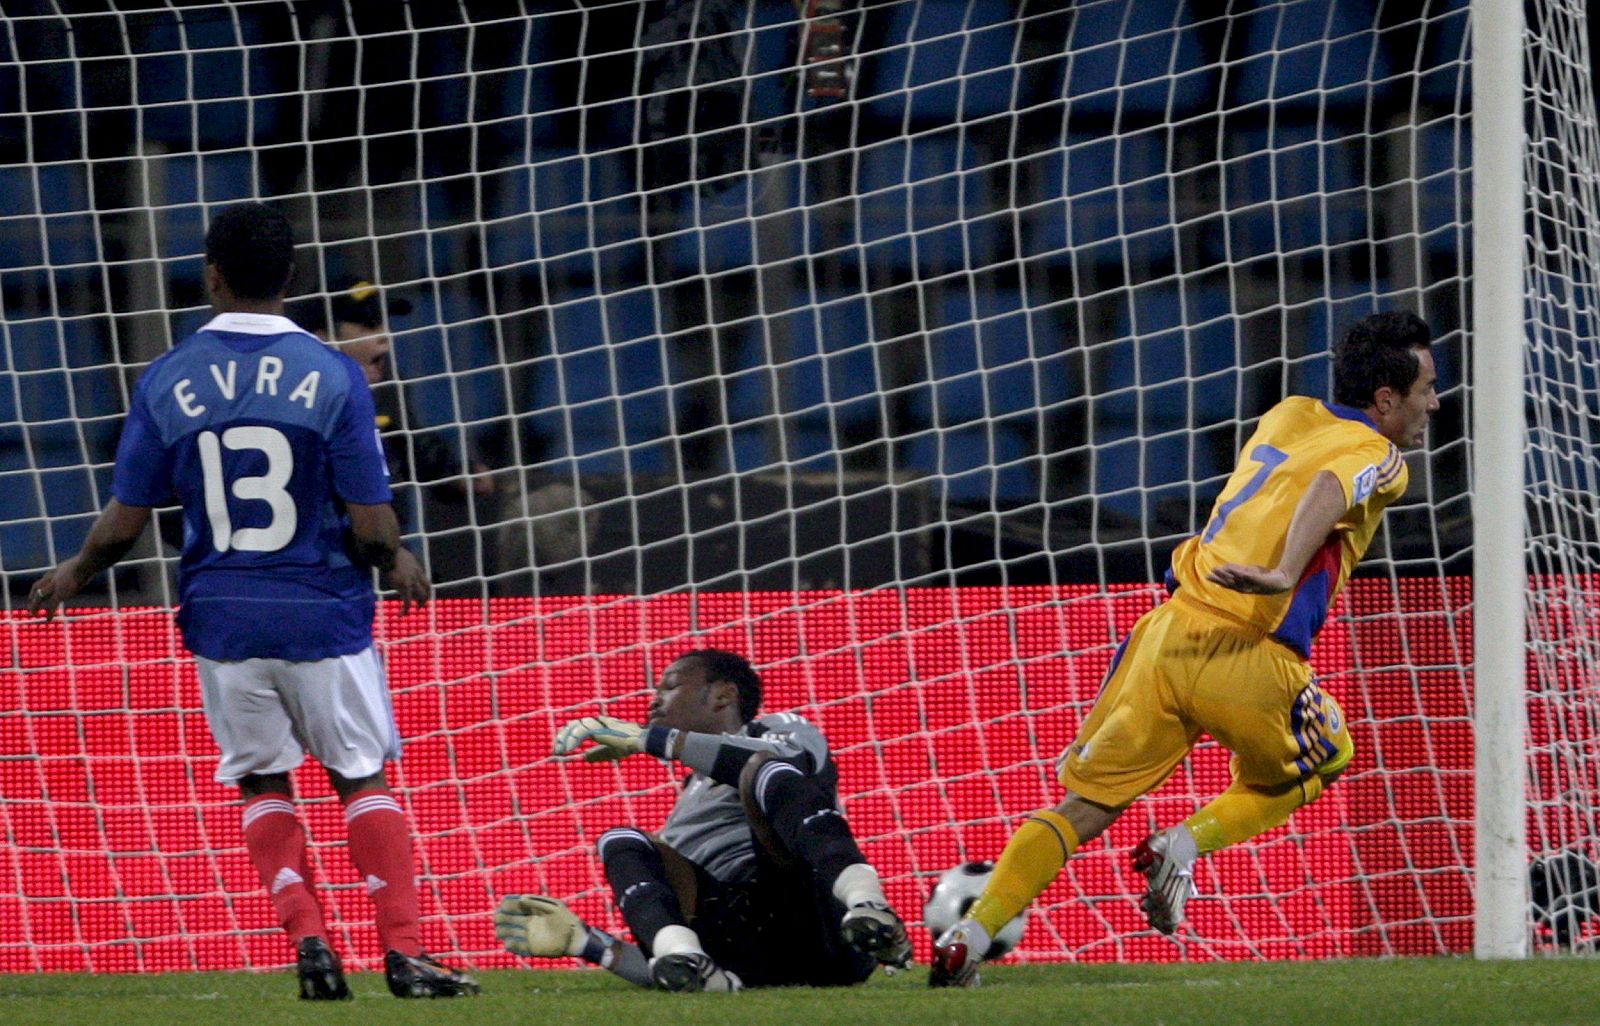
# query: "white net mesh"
(895, 347)
(1563, 474)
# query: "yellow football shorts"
(1183, 672)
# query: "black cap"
(358, 302)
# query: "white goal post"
(1499, 532)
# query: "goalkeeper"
(754, 880)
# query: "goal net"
(1562, 469)
(893, 345)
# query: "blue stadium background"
(1052, 256)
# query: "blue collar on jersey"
(1349, 413)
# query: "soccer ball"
(957, 889)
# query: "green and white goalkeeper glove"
(534, 926)
(613, 738)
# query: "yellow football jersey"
(1296, 439)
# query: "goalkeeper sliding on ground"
(754, 880)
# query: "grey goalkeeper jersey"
(708, 825)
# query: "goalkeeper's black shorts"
(780, 929)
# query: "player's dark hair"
(736, 670)
(1379, 349)
(252, 246)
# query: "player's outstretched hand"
(534, 926)
(613, 738)
(408, 579)
(54, 588)
(1252, 580)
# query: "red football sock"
(277, 845)
(380, 847)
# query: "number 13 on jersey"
(268, 488)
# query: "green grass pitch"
(1458, 992)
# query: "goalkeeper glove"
(613, 738)
(534, 926)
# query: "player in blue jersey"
(265, 437)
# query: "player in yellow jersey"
(1226, 654)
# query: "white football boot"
(956, 955)
(1167, 861)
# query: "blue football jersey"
(261, 433)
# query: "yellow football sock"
(1242, 812)
(1031, 859)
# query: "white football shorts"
(266, 714)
